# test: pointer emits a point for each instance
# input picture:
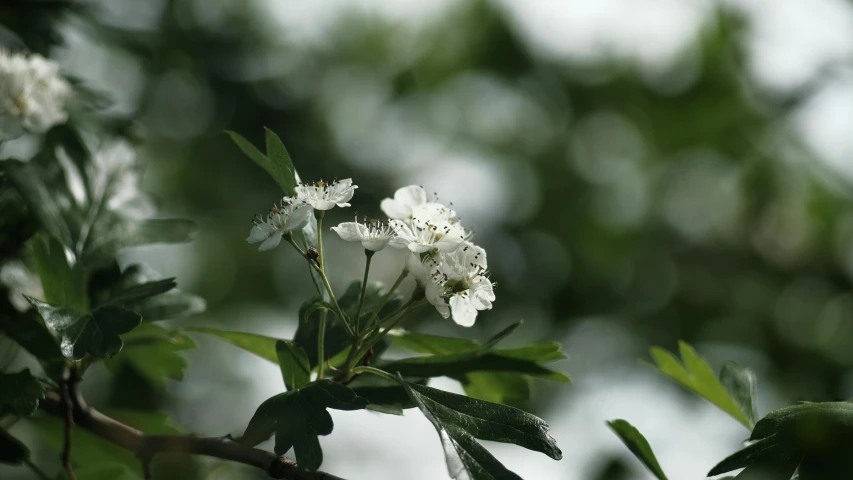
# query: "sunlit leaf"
(276, 162)
(639, 446)
(259, 345)
(696, 375)
(63, 284)
(295, 369)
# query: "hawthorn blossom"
(324, 196)
(373, 235)
(411, 201)
(32, 94)
(429, 235)
(459, 285)
(281, 220)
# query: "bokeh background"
(640, 171)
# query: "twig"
(147, 446)
(68, 415)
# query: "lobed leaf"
(298, 417)
(154, 352)
(62, 284)
(638, 445)
(20, 393)
(295, 369)
(276, 162)
(141, 289)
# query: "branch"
(147, 446)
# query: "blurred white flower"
(281, 220)
(373, 235)
(459, 285)
(411, 201)
(20, 281)
(324, 196)
(32, 94)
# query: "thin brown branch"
(147, 446)
(68, 417)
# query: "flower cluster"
(451, 269)
(32, 94)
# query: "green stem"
(338, 311)
(369, 255)
(374, 371)
(321, 345)
(375, 317)
(321, 259)
(401, 314)
(39, 472)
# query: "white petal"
(271, 242)
(395, 209)
(416, 247)
(416, 268)
(375, 244)
(350, 231)
(399, 242)
(321, 204)
(463, 312)
(298, 217)
(449, 243)
(259, 233)
(410, 196)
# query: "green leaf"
(391, 399)
(20, 392)
(639, 446)
(502, 334)
(295, 369)
(96, 333)
(264, 347)
(458, 364)
(372, 299)
(460, 419)
(298, 417)
(278, 156)
(696, 375)
(509, 388)
(28, 179)
(817, 437)
(12, 451)
(63, 285)
(141, 289)
(276, 162)
(29, 332)
(741, 383)
(113, 234)
(155, 353)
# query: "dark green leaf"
(740, 382)
(29, 332)
(372, 299)
(295, 369)
(28, 178)
(141, 289)
(298, 417)
(278, 156)
(20, 392)
(457, 364)
(391, 399)
(111, 235)
(460, 419)
(259, 345)
(63, 285)
(154, 353)
(277, 162)
(80, 333)
(639, 446)
(12, 451)
(431, 344)
(696, 375)
(499, 387)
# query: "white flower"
(324, 196)
(422, 236)
(280, 220)
(461, 278)
(373, 235)
(412, 201)
(32, 94)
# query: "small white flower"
(461, 278)
(373, 235)
(32, 94)
(422, 236)
(411, 201)
(324, 196)
(281, 220)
